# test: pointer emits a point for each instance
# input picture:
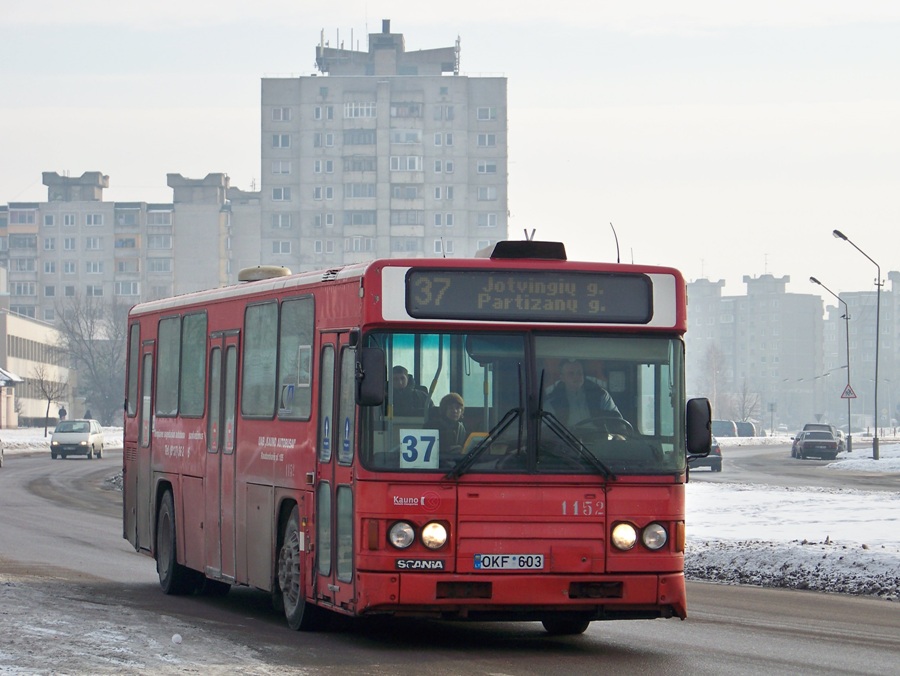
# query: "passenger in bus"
(408, 400)
(575, 398)
(448, 421)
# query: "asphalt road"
(60, 541)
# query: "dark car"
(724, 428)
(817, 443)
(713, 460)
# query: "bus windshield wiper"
(565, 434)
(469, 458)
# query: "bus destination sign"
(529, 295)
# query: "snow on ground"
(838, 540)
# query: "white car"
(77, 437)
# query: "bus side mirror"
(370, 376)
(699, 427)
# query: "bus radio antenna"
(618, 260)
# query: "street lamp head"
(839, 235)
(815, 281)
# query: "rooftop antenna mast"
(618, 260)
(529, 238)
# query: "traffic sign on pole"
(848, 393)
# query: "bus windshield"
(527, 402)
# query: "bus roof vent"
(330, 275)
(525, 249)
(262, 272)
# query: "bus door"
(220, 488)
(334, 489)
(144, 504)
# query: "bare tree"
(51, 390)
(92, 334)
(748, 403)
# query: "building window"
(22, 288)
(278, 115)
(281, 167)
(281, 246)
(486, 113)
(444, 112)
(159, 241)
(406, 163)
(50, 267)
(448, 192)
(438, 139)
(281, 221)
(356, 109)
(405, 136)
(487, 220)
(361, 217)
(359, 190)
(93, 243)
(281, 140)
(438, 166)
(69, 220)
(127, 218)
(486, 167)
(329, 246)
(407, 217)
(317, 246)
(487, 140)
(94, 290)
(487, 193)
(448, 220)
(438, 220)
(406, 109)
(406, 244)
(125, 243)
(49, 314)
(359, 163)
(437, 193)
(68, 244)
(405, 191)
(22, 216)
(93, 219)
(127, 289)
(69, 291)
(24, 264)
(49, 221)
(359, 137)
(448, 167)
(128, 266)
(49, 243)
(70, 267)
(159, 218)
(160, 264)
(93, 267)
(23, 242)
(281, 194)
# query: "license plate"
(509, 562)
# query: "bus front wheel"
(565, 626)
(300, 615)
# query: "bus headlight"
(434, 535)
(401, 535)
(624, 536)
(654, 536)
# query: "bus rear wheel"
(173, 577)
(565, 626)
(300, 615)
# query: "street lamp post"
(840, 235)
(847, 325)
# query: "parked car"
(724, 428)
(818, 443)
(745, 428)
(77, 437)
(713, 460)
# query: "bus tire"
(174, 578)
(300, 615)
(565, 626)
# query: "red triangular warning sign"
(848, 393)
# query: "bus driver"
(576, 398)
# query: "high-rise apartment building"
(387, 153)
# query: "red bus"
(400, 437)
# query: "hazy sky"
(722, 138)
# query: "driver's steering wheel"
(613, 425)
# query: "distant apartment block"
(388, 153)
